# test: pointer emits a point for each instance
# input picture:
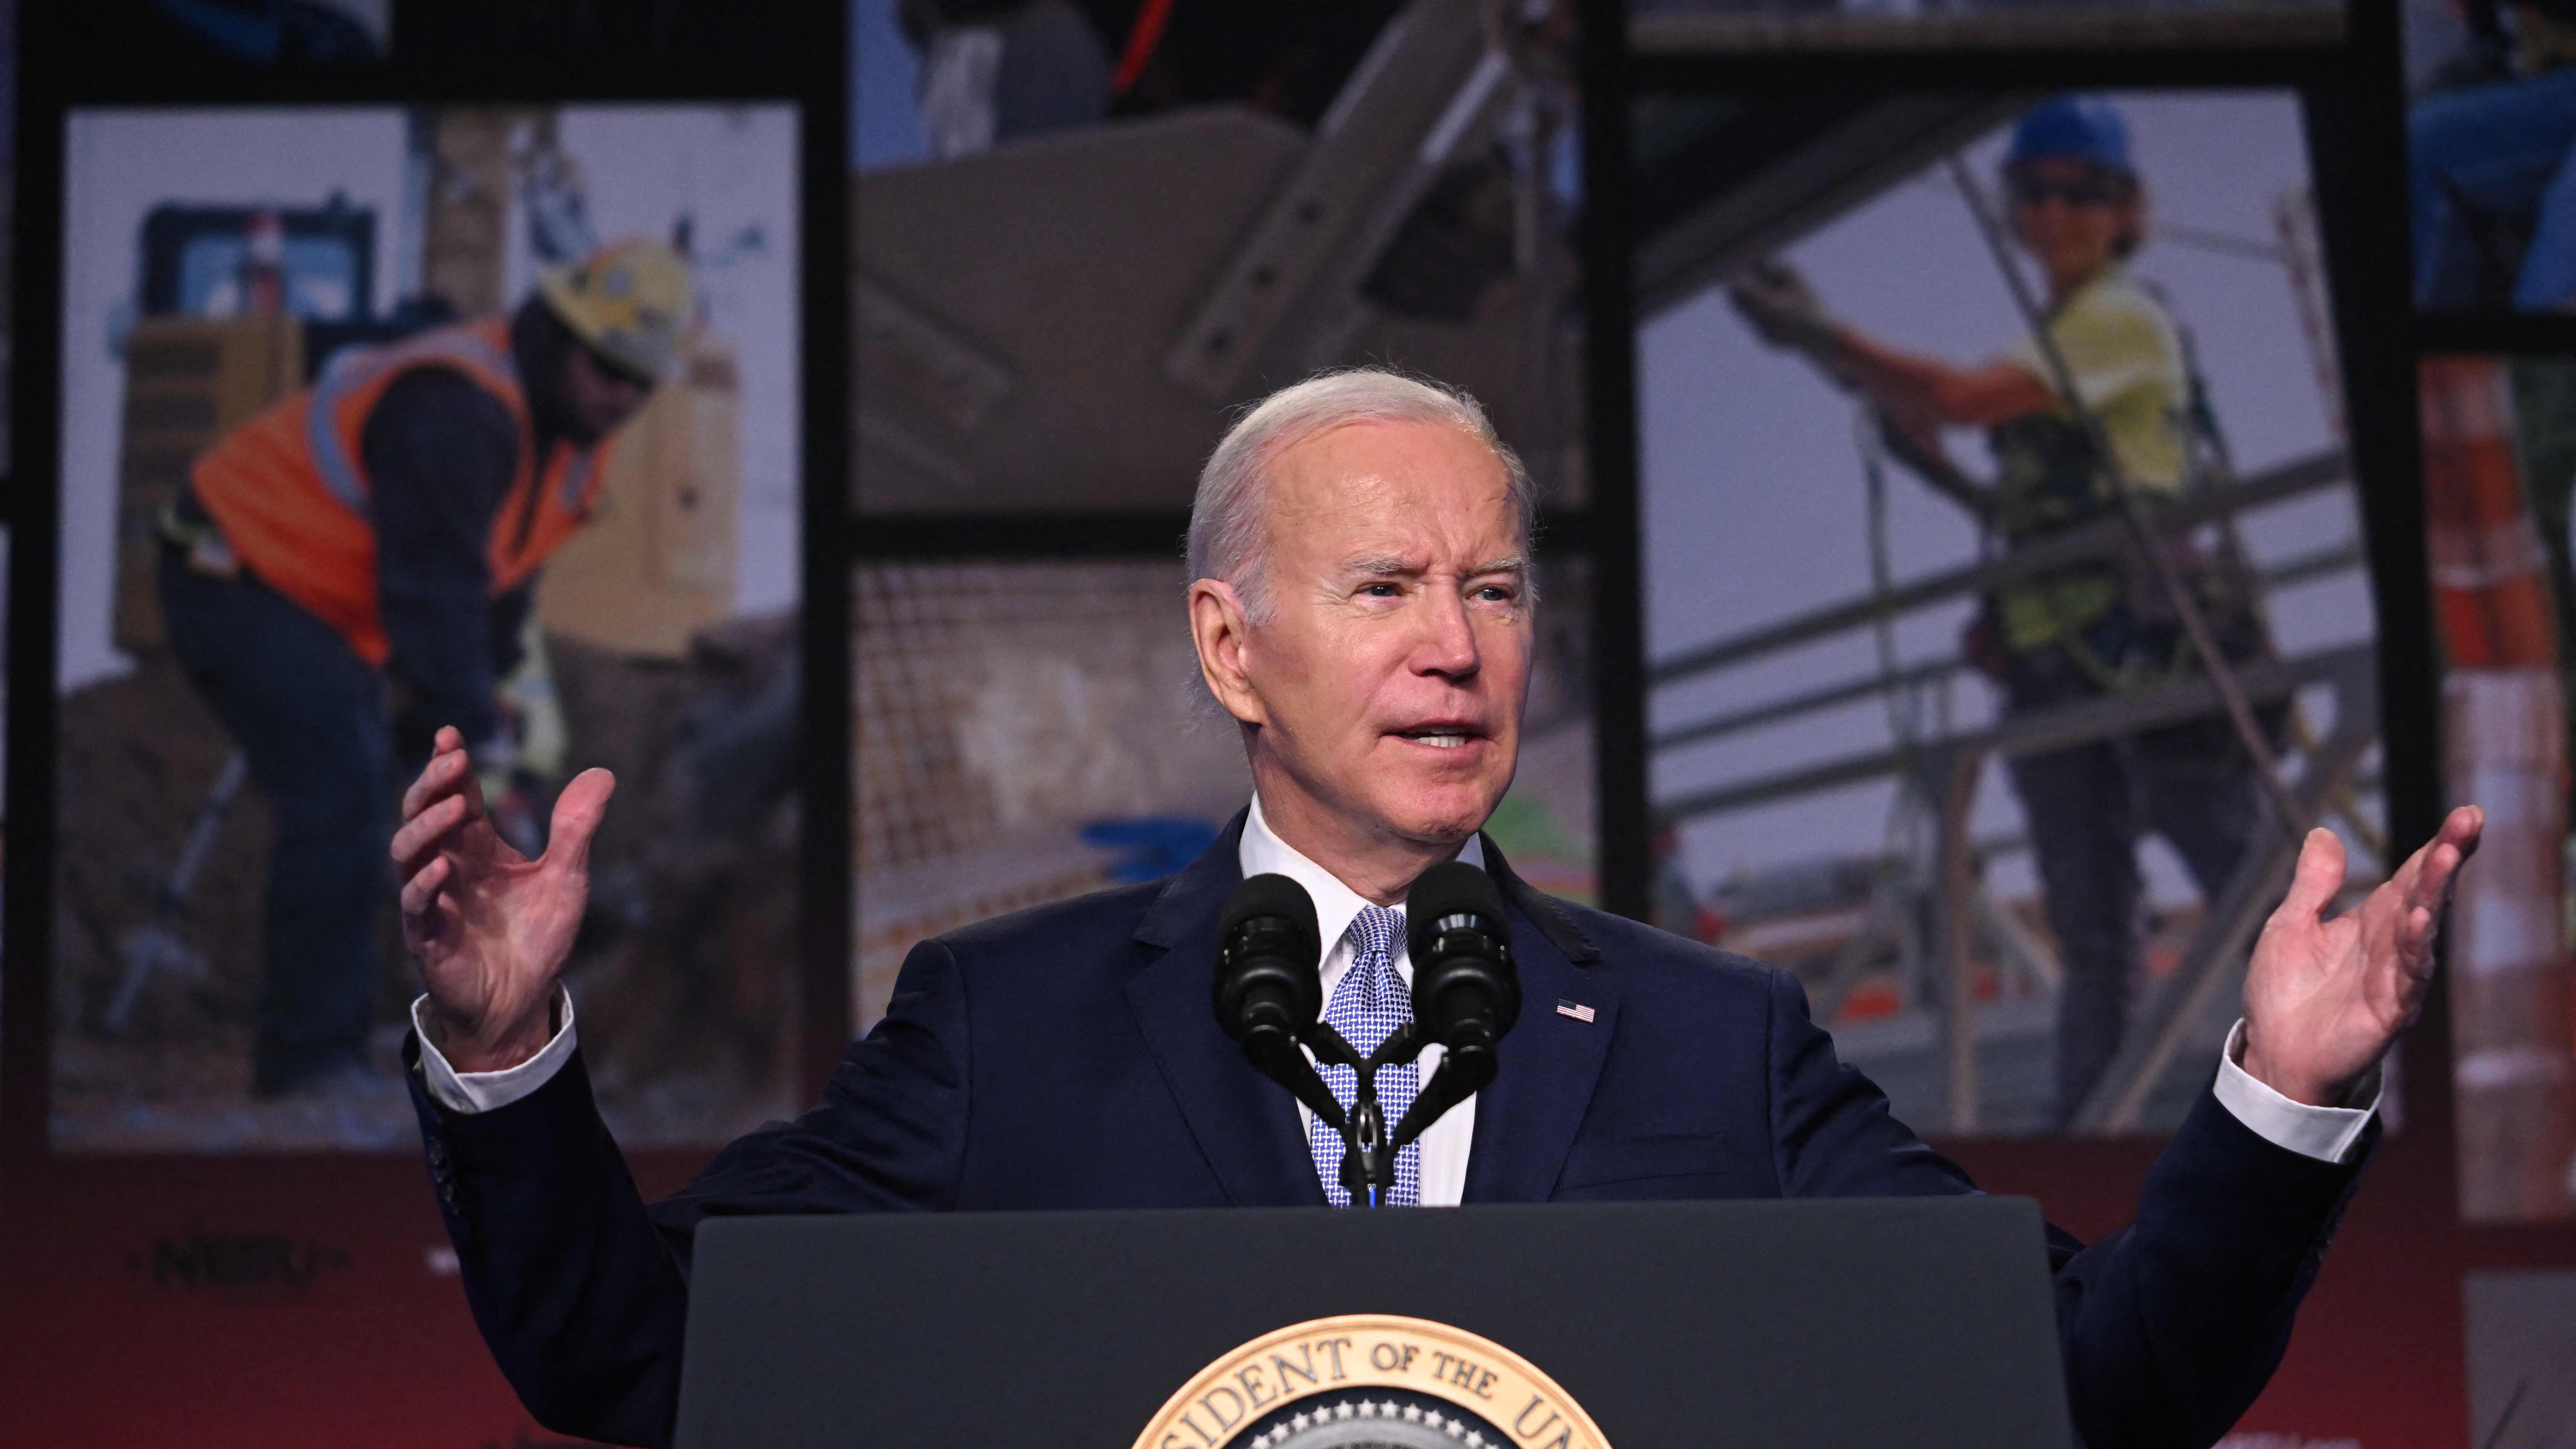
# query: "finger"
(470, 787)
(578, 811)
(420, 890)
(2407, 972)
(2434, 867)
(2463, 828)
(2459, 834)
(2417, 957)
(449, 772)
(2320, 875)
(427, 834)
(433, 780)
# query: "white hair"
(1226, 523)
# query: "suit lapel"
(1527, 1118)
(1245, 1124)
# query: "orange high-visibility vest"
(289, 488)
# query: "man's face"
(600, 396)
(2072, 215)
(1388, 678)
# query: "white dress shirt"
(483, 1091)
(2324, 1133)
(1446, 1142)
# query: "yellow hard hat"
(630, 300)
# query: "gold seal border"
(1497, 1385)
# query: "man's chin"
(1445, 816)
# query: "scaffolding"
(1931, 906)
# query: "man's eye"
(1496, 594)
(1378, 591)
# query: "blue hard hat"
(2073, 128)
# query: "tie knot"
(1374, 932)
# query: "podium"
(1917, 1322)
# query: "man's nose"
(1448, 643)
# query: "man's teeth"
(1443, 739)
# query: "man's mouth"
(1440, 737)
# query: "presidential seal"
(1369, 1381)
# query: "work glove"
(1781, 307)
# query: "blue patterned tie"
(1368, 1004)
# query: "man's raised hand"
(2324, 999)
(490, 928)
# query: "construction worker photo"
(368, 548)
(2076, 207)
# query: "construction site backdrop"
(1828, 769)
(1059, 323)
(217, 261)
(2499, 455)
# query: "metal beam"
(1430, 76)
(1953, 908)
(2291, 571)
(2099, 539)
(2017, 943)
(2107, 717)
(2217, 954)
(1809, 188)
(1798, 704)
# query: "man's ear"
(1221, 629)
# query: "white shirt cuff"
(2324, 1133)
(483, 1091)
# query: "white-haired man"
(1361, 606)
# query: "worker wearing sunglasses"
(2098, 398)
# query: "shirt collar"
(1336, 905)
(2113, 276)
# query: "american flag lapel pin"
(1568, 1008)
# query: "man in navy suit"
(1361, 605)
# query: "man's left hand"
(2325, 999)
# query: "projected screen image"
(1930, 727)
(1031, 730)
(2499, 455)
(2491, 150)
(1071, 274)
(380, 419)
(1067, 281)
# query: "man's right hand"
(1785, 311)
(490, 928)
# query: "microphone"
(1269, 986)
(1466, 991)
(1269, 997)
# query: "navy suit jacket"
(1067, 1057)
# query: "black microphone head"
(1442, 895)
(1464, 983)
(1268, 958)
(1273, 896)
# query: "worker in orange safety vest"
(378, 535)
